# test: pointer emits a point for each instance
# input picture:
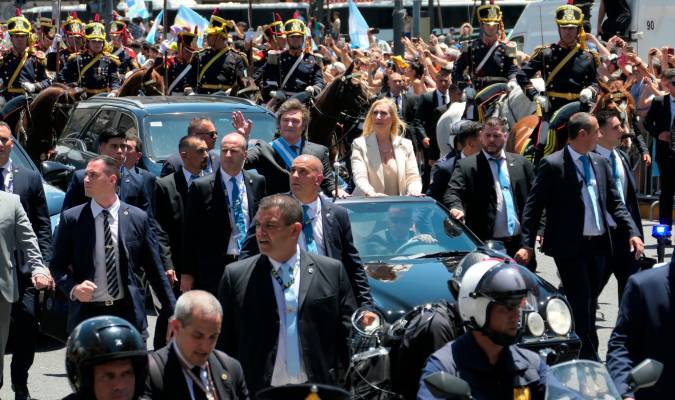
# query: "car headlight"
(535, 324)
(559, 316)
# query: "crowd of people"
(246, 252)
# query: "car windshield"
(164, 131)
(389, 229)
(20, 158)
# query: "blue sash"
(283, 149)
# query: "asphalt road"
(48, 379)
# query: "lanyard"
(209, 389)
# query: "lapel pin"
(310, 270)
(126, 212)
(223, 376)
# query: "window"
(78, 120)
(126, 123)
(104, 119)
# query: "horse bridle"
(148, 83)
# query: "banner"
(358, 28)
(136, 8)
(150, 37)
(188, 18)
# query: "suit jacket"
(132, 190)
(251, 321)
(367, 168)
(644, 329)
(263, 158)
(659, 119)
(174, 163)
(207, 226)
(228, 379)
(73, 259)
(425, 121)
(16, 233)
(472, 190)
(169, 201)
(337, 238)
(630, 193)
(407, 113)
(28, 186)
(557, 189)
(441, 173)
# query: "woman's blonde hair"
(398, 126)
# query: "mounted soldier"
(73, 29)
(45, 34)
(22, 68)
(218, 67)
(275, 40)
(291, 72)
(94, 69)
(119, 37)
(178, 65)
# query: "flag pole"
(165, 18)
(250, 47)
(56, 16)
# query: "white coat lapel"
(373, 154)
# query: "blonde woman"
(383, 162)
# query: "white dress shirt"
(606, 153)
(317, 227)
(100, 274)
(188, 176)
(280, 374)
(185, 366)
(7, 176)
(501, 228)
(589, 220)
(233, 244)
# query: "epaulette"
(538, 50)
(73, 56)
(115, 60)
(39, 54)
(243, 55)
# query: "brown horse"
(143, 82)
(616, 97)
(246, 88)
(41, 123)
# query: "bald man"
(219, 210)
(326, 227)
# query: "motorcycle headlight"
(535, 324)
(559, 316)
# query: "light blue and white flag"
(189, 18)
(136, 8)
(150, 37)
(358, 28)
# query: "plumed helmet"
(219, 25)
(73, 26)
(569, 15)
(19, 25)
(489, 14)
(94, 30)
(294, 27)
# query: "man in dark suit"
(426, 118)
(220, 207)
(273, 160)
(204, 129)
(326, 229)
(621, 262)
(99, 249)
(488, 190)
(466, 143)
(396, 91)
(659, 123)
(27, 185)
(575, 187)
(286, 312)
(644, 329)
(189, 367)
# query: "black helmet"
(97, 341)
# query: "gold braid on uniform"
(582, 37)
(502, 36)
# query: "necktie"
(588, 180)
(507, 196)
(196, 390)
(2, 180)
(291, 324)
(192, 179)
(616, 174)
(308, 231)
(110, 264)
(238, 212)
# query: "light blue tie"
(192, 178)
(238, 212)
(292, 341)
(616, 175)
(308, 231)
(507, 196)
(588, 179)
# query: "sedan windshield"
(386, 230)
(165, 130)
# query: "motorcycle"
(572, 380)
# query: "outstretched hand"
(241, 124)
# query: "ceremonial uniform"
(277, 68)
(95, 74)
(61, 57)
(58, 56)
(15, 70)
(484, 65)
(216, 70)
(176, 67)
(127, 59)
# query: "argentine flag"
(358, 28)
(136, 8)
(150, 37)
(189, 18)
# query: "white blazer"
(367, 168)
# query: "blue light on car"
(660, 231)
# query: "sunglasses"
(213, 134)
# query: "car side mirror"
(645, 374)
(496, 245)
(451, 227)
(57, 174)
(446, 386)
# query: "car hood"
(54, 197)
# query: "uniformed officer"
(491, 299)
(22, 68)
(567, 67)
(178, 65)
(73, 29)
(291, 71)
(119, 37)
(218, 67)
(275, 40)
(489, 59)
(93, 69)
(45, 34)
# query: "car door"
(78, 148)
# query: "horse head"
(143, 82)
(246, 88)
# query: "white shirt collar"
(574, 154)
(226, 177)
(291, 261)
(314, 207)
(188, 175)
(603, 151)
(502, 155)
(96, 208)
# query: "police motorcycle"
(572, 380)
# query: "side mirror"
(452, 227)
(57, 174)
(446, 386)
(645, 374)
(496, 245)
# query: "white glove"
(311, 90)
(29, 87)
(55, 43)
(469, 92)
(112, 94)
(543, 103)
(586, 95)
(512, 85)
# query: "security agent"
(106, 359)
(491, 298)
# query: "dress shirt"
(185, 366)
(7, 176)
(606, 153)
(100, 279)
(589, 220)
(441, 98)
(317, 227)
(280, 374)
(501, 228)
(188, 176)
(233, 244)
